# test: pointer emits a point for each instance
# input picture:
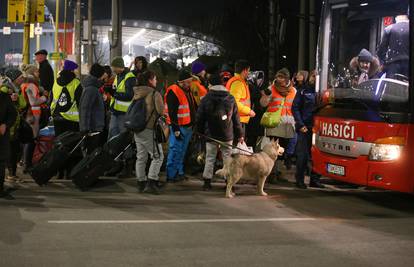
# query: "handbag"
(161, 131)
(272, 119)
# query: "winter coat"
(254, 128)
(47, 77)
(356, 71)
(173, 103)
(395, 43)
(65, 77)
(218, 116)
(8, 116)
(153, 100)
(92, 106)
(129, 90)
(303, 108)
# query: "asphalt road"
(113, 225)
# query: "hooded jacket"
(356, 71)
(92, 107)
(153, 100)
(65, 77)
(218, 115)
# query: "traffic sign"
(16, 11)
(38, 31)
(6, 30)
(57, 56)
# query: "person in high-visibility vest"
(239, 88)
(281, 100)
(180, 111)
(66, 94)
(122, 93)
(199, 84)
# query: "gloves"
(177, 135)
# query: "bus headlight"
(381, 152)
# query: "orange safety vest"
(184, 113)
(35, 110)
(277, 99)
(198, 90)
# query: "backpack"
(135, 117)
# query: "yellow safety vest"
(73, 113)
(119, 105)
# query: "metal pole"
(116, 40)
(271, 69)
(90, 41)
(38, 39)
(56, 37)
(26, 34)
(78, 48)
(64, 26)
(302, 37)
(312, 35)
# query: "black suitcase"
(52, 161)
(87, 172)
(68, 140)
(118, 143)
(49, 165)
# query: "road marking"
(180, 221)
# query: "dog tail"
(224, 172)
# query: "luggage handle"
(123, 151)
(77, 145)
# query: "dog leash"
(215, 140)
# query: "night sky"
(240, 25)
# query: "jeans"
(290, 150)
(116, 125)
(303, 156)
(211, 155)
(176, 152)
(146, 145)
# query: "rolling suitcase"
(87, 172)
(52, 161)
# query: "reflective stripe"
(277, 99)
(122, 103)
(35, 108)
(183, 115)
(75, 113)
(182, 106)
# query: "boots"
(207, 185)
(152, 187)
(127, 170)
(141, 186)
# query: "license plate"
(336, 169)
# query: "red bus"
(364, 126)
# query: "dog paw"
(229, 195)
(263, 194)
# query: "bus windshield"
(366, 50)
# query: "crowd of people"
(223, 109)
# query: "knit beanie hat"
(215, 79)
(29, 69)
(197, 67)
(365, 56)
(118, 62)
(13, 74)
(284, 73)
(184, 75)
(70, 65)
(97, 70)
